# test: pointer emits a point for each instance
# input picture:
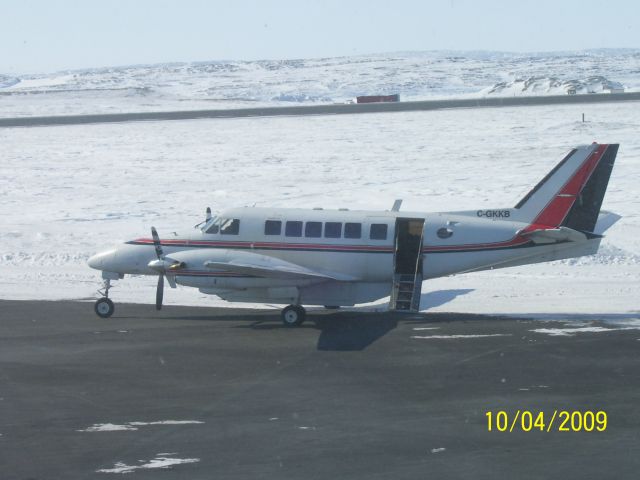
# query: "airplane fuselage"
(360, 246)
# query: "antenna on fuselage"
(208, 214)
(396, 205)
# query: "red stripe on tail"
(557, 209)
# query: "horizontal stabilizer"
(554, 235)
(605, 221)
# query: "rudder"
(583, 215)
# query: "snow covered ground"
(67, 192)
(232, 84)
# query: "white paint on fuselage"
(477, 242)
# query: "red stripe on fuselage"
(512, 242)
(265, 245)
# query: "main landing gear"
(293, 315)
(104, 307)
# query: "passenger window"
(215, 228)
(230, 226)
(272, 227)
(313, 229)
(352, 230)
(378, 231)
(293, 229)
(333, 230)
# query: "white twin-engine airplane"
(341, 257)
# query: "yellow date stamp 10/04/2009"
(558, 420)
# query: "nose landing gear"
(104, 307)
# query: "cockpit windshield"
(221, 225)
(224, 226)
(210, 226)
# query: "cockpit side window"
(230, 226)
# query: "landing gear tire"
(293, 315)
(104, 307)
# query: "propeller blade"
(156, 243)
(159, 292)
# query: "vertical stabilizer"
(571, 194)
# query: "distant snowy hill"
(229, 84)
(554, 86)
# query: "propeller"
(161, 265)
(160, 255)
(160, 292)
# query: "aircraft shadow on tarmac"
(339, 331)
(440, 297)
(352, 331)
(356, 330)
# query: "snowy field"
(233, 84)
(67, 192)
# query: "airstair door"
(407, 265)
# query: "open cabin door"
(407, 265)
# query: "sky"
(38, 36)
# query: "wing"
(265, 266)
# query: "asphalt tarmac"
(215, 393)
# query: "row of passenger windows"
(293, 228)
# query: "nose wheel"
(293, 315)
(104, 307)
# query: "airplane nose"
(103, 260)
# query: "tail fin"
(571, 194)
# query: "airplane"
(337, 258)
